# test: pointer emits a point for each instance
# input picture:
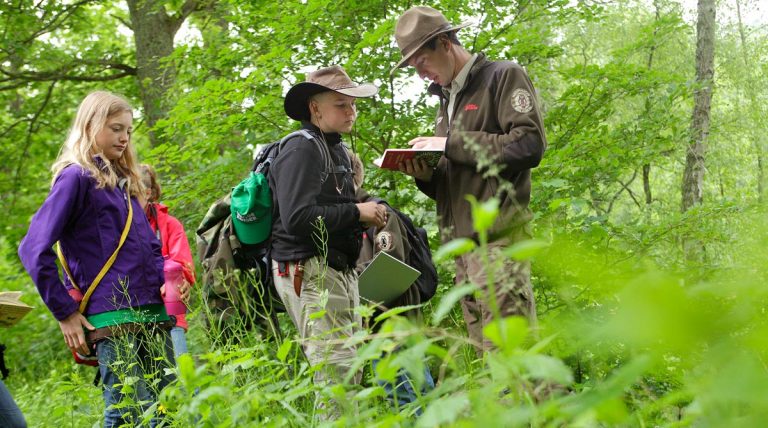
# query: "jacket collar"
(159, 207)
(330, 138)
(480, 63)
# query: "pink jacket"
(175, 245)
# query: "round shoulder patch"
(522, 101)
(384, 241)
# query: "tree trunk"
(647, 166)
(693, 177)
(754, 106)
(647, 184)
(153, 32)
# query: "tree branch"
(10, 128)
(57, 19)
(31, 130)
(623, 188)
(187, 9)
(20, 79)
(123, 21)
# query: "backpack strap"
(107, 265)
(325, 153)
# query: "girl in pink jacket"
(179, 267)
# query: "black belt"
(131, 327)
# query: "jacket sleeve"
(522, 144)
(297, 174)
(429, 188)
(155, 244)
(178, 248)
(60, 208)
(391, 238)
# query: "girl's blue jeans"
(179, 341)
(128, 364)
(403, 391)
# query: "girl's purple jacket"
(88, 222)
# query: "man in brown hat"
(490, 129)
(318, 223)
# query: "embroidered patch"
(522, 101)
(384, 241)
(469, 107)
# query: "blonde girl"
(93, 197)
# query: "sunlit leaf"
(524, 250)
(483, 214)
(545, 367)
(507, 333)
(450, 299)
(454, 249)
(444, 410)
(284, 349)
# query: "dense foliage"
(631, 332)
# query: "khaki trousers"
(513, 291)
(332, 296)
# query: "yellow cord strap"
(107, 265)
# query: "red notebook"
(392, 157)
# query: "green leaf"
(454, 249)
(450, 299)
(317, 315)
(394, 311)
(284, 349)
(612, 411)
(507, 334)
(370, 392)
(444, 411)
(483, 214)
(547, 368)
(524, 250)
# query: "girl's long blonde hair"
(80, 147)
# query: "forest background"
(648, 260)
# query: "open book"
(12, 309)
(392, 157)
(385, 279)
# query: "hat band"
(334, 88)
(417, 44)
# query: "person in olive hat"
(488, 119)
(317, 222)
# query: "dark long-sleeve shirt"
(303, 191)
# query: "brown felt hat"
(416, 27)
(332, 78)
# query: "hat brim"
(295, 103)
(251, 234)
(408, 55)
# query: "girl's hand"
(74, 336)
(184, 290)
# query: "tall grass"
(621, 341)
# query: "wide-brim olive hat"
(332, 78)
(417, 26)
